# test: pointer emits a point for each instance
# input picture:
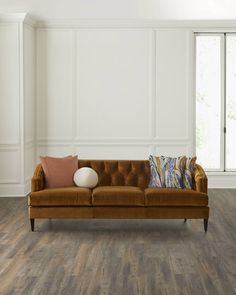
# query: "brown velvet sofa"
(122, 192)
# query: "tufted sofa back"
(120, 172)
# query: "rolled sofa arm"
(201, 182)
(37, 181)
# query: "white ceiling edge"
(12, 17)
(113, 23)
(140, 23)
(195, 25)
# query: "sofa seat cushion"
(174, 197)
(67, 196)
(118, 196)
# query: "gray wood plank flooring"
(119, 256)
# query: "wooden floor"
(119, 256)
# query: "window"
(230, 102)
(216, 101)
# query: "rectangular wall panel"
(10, 166)
(134, 152)
(29, 104)
(29, 155)
(113, 84)
(29, 83)
(9, 84)
(172, 150)
(111, 75)
(172, 84)
(54, 84)
(54, 151)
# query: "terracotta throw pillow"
(59, 172)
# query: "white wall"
(104, 89)
(10, 145)
(118, 89)
(17, 144)
(29, 103)
(113, 92)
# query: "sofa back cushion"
(120, 172)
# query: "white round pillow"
(86, 177)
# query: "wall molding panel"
(221, 180)
(172, 98)
(133, 23)
(17, 70)
(128, 95)
(10, 160)
(96, 88)
(78, 53)
(170, 121)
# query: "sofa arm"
(37, 181)
(201, 182)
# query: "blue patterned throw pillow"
(174, 171)
(189, 172)
(167, 171)
(155, 172)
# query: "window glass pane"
(208, 101)
(231, 102)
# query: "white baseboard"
(14, 190)
(222, 181)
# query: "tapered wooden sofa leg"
(32, 224)
(185, 219)
(205, 224)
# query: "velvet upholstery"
(200, 180)
(60, 212)
(177, 212)
(38, 179)
(119, 212)
(118, 196)
(65, 196)
(120, 193)
(165, 212)
(174, 197)
(119, 172)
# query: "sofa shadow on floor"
(136, 226)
